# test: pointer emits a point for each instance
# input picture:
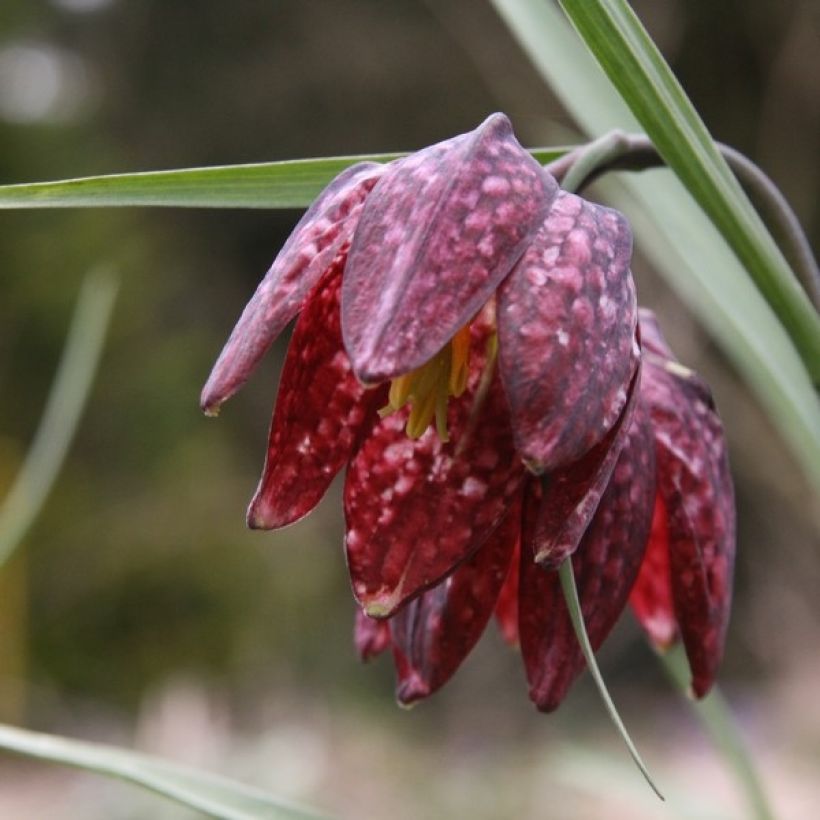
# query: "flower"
(467, 345)
(662, 537)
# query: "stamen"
(400, 390)
(459, 368)
(441, 417)
(428, 388)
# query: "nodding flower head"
(467, 345)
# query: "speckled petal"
(326, 226)
(415, 509)
(434, 633)
(570, 495)
(651, 597)
(437, 235)
(321, 412)
(566, 329)
(606, 564)
(506, 608)
(696, 487)
(370, 636)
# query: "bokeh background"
(141, 612)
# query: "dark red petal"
(433, 634)
(326, 226)
(321, 411)
(605, 565)
(696, 486)
(416, 508)
(651, 597)
(567, 317)
(440, 231)
(370, 636)
(570, 495)
(506, 607)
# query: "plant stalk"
(715, 716)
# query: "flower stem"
(586, 161)
(567, 576)
(717, 720)
(617, 151)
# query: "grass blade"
(211, 794)
(633, 63)
(679, 239)
(715, 716)
(287, 184)
(63, 410)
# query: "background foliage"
(141, 611)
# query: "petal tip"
(379, 608)
(411, 690)
(533, 465)
(549, 558)
(210, 402)
(498, 121)
(699, 689)
(211, 410)
(261, 516)
(543, 704)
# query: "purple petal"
(570, 495)
(506, 608)
(566, 328)
(605, 565)
(371, 637)
(434, 633)
(696, 487)
(321, 412)
(415, 509)
(651, 597)
(439, 232)
(321, 233)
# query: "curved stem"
(635, 152)
(715, 716)
(584, 161)
(567, 576)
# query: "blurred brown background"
(140, 610)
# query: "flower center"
(428, 388)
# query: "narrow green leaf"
(63, 409)
(287, 184)
(715, 716)
(568, 587)
(681, 242)
(215, 796)
(638, 70)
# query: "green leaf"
(211, 794)
(288, 184)
(717, 720)
(680, 241)
(638, 70)
(570, 590)
(63, 410)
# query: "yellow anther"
(428, 388)
(441, 416)
(460, 361)
(400, 390)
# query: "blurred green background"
(140, 611)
